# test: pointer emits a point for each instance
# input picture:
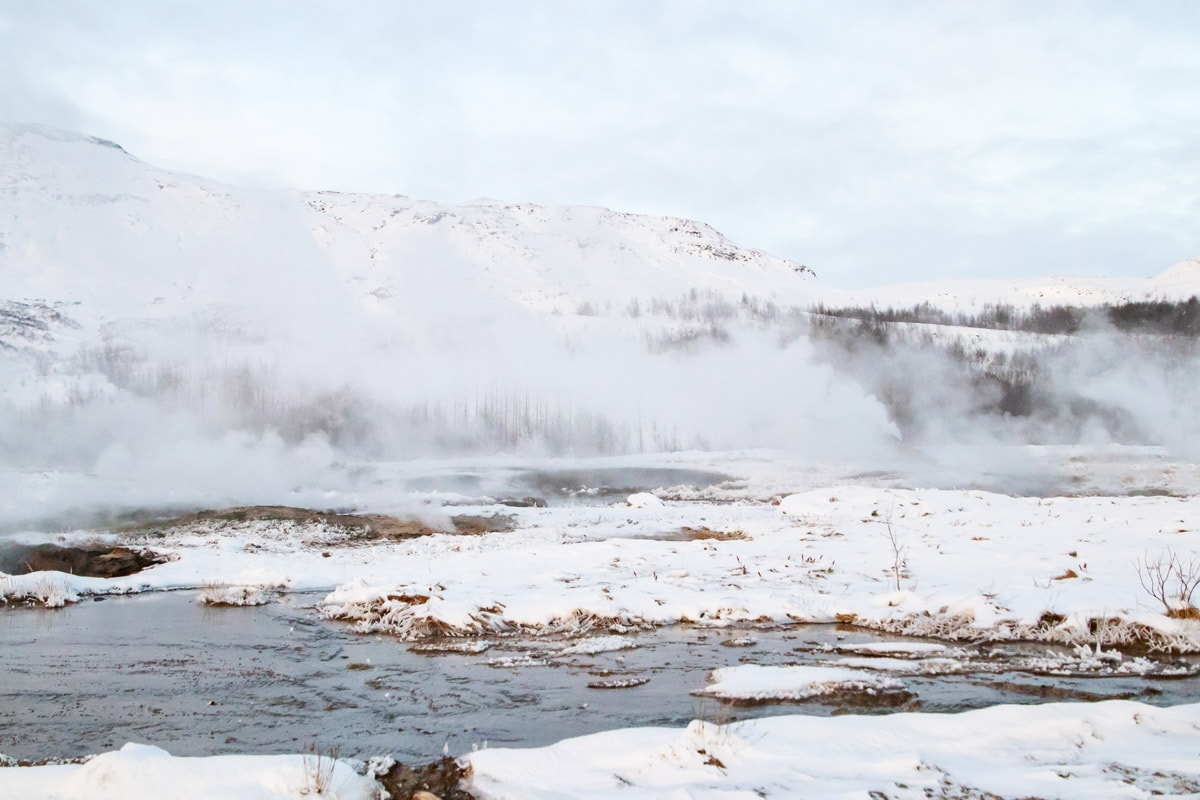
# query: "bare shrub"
(899, 562)
(1171, 580)
(319, 766)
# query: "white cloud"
(871, 140)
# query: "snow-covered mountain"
(1176, 283)
(82, 221)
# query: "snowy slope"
(545, 258)
(83, 221)
(1178, 282)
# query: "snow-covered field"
(139, 771)
(1102, 750)
(956, 564)
(1097, 751)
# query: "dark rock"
(92, 561)
(442, 778)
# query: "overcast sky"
(874, 141)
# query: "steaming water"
(160, 668)
(563, 486)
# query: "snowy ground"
(957, 564)
(767, 543)
(142, 771)
(1114, 749)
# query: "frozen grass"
(52, 590)
(223, 594)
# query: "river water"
(159, 668)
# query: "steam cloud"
(193, 344)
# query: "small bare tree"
(899, 562)
(1172, 581)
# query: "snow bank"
(225, 595)
(754, 683)
(49, 589)
(143, 772)
(644, 500)
(1093, 751)
(972, 565)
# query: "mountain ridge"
(185, 237)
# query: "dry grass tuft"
(319, 766)
(705, 533)
(361, 527)
(1191, 612)
(1171, 580)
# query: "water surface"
(161, 669)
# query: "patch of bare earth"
(441, 778)
(705, 533)
(361, 527)
(90, 561)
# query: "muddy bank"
(361, 527)
(91, 561)
(441, 778)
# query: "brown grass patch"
(92, 560)
(364, 527)
(474, 526)
(703, 533)
(1191, 612)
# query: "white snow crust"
(1113, 749)
(975, 564)
(752, 682)
(145, 772)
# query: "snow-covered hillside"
(1176, 283)
(83, 221)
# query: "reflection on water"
(159, 668)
